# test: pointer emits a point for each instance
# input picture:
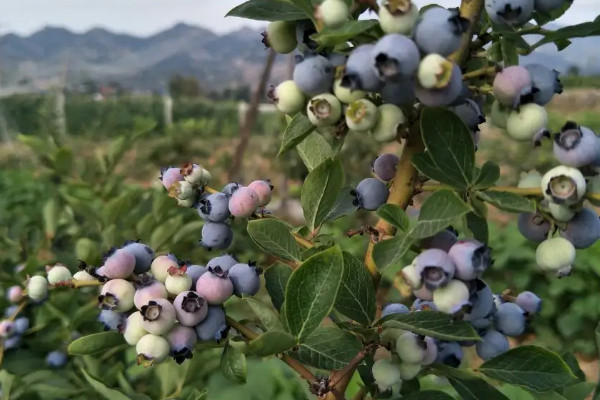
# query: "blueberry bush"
(426, 78)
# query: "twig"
(479, 72)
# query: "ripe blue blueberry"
(471, 258)
(576, 146)
(111, 320)
(159, 316)
(190, 308)
(510, 319)
(469, 112)
(359, 74)
(143, 256)
(493, 344)
(147, 290)
(213, 327)
(399, 93)
(395, 57)
(182, 340)
(215, 286)
(549, 5)
(394, 308)
(371, 193)
(449, 353)
(216, 235)
(533, 227)
(56, 359)
(435, 267)
(245, 279)
(243, 202)
(134, 328)
(583, 230)
(440, 31)
(214, 207)
(482, 305)
(314, 74)
(230, 188)
(225, 262)
(529, 302)
(12, 342)
(152, 349)
(423, 305)
(442, 240)
(21, 325)
(510, 12)
(544, 83)
(384, 166)
(195, 271)
(118, 264)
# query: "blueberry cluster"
(13, 327)
(518, 12)
(188, 185)
(163, 306)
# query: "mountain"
(141, 63)
(218, 61)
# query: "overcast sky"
(145, 17)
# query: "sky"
(146, 17)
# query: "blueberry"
(471, 258)
(442, 240)
(213, 327)
(423, 305)
(134, 328)
(385, 374)
(37, 288)
(21, 325)
(449, 353)
(452, 297)
(395, 57)
(225, 262)
(511, 12)
(527, 123)
(120, 264)
(346, 95)
(152, 349)
(411, 276)
(324, 110)
(576, 146)
(533, 227)
(158, 316)
(304, 30)
(12, 342)
(111, 320)
(390, 119)
(424, 298)
(58, 273)
(362, 115)
(190, 308)
(499, 114)
(469, 113)
(398, 17)
(184, 192)
(143, 256)
(510, 319)
(409, 371)
(333, 13)
(555, 255)
(583, 230)
(170, 176)
(544, 83)
(178, 281)
(182, 340)
(230, 188)
(511, 84)
(7, 328)
(245, 279)
(195, 174)
(243, 203)
(14, 294)
(401, 93)
(214, 207)
(288, 98)
(56, 359)
(281, 36)
(195, 271)
(384, 166)
(160, 266)
(435, 267)
(410, 347)
(10, 311)
(482, 305)
(149, 290)
(117, 295)
(549, 5)
(493, 344)
(215, 286)
(431, 351)
(529, 302)
(563, 185)
(359, 74)
(394, 308)
(561, 212)
(216, 235)
(314, 74)
(440, 31)
(263, 189)
(444, 91)
(371, 193)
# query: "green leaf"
(596, 394)
(510, 53)
(356, 297)
(274, 237)
(330, 37)
(468, 385)
(549, 395)
(395, 215)
(102, 389)
(543, 18)
(578, 391)
(436, 324)
(95, 343)
(272, 342)
(344, 204)
(164, 232)
(63, 161)
(478, 227)
(585, 29)
(449, 143)
(6, 381)
(233, 364)
(314, 150)
(427, 167)
(391, 251)
(428, 395)
(267, 10)
(488, 176)
(276, 278)
(507, 201)
(295, 132)
(50, 214)
(572, 362)
(532, 367)
(329, 348)
(266, 315)
(311, 291)
(438, 212)
(320, 191)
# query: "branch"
(470, 9)
(479, 72)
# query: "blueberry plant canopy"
(426, 78)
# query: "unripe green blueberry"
(333, 13)
(160, 267)
(195, 174)
(177, 281)
(390, 118)
(134, 328)
(37, 288)
(362, 115)
(389, 336)
(398, 16)
(560, 212)
(288, 98)
(531, 179)
(183, 190)
(187, 203)
(434, 71)
(555, 255)
(152, 349)
(117, 295)
(409, 371)
(431, 351)
(159, 316)
(83, 276)
(385, 374)
(410, 347)
(347, 95)
(58, 273)
(526, 122)
(324, 110)
(499, 114)
(281, 36)
(412, 277)
(452, 297)
(563, 185)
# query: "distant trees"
(184, 86)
